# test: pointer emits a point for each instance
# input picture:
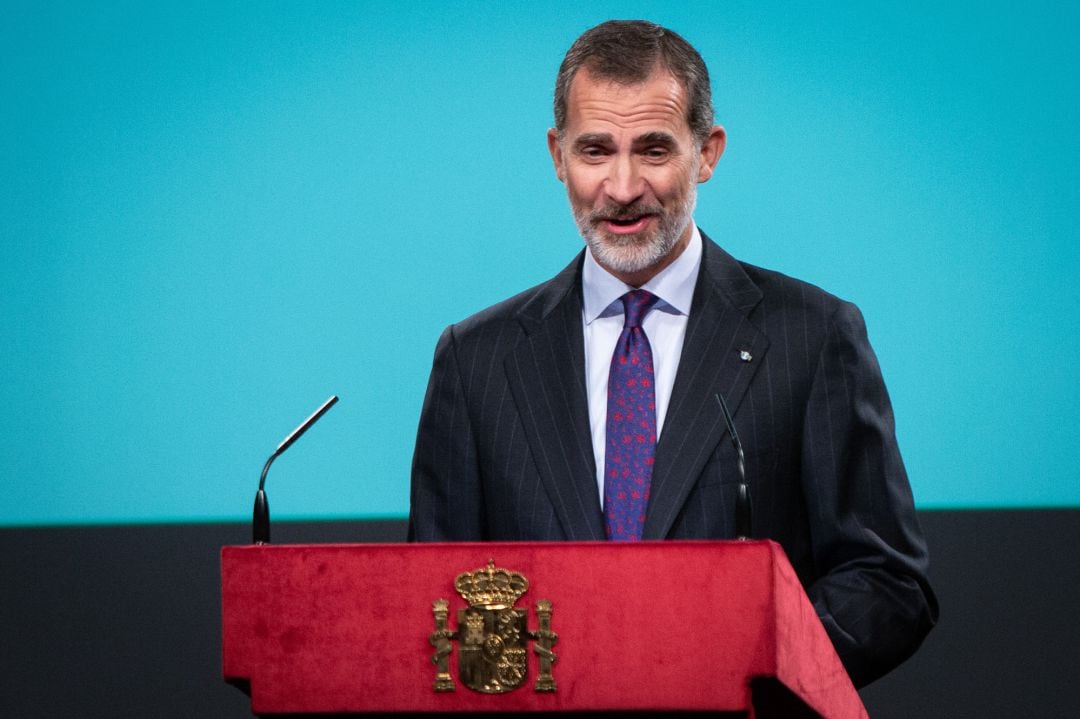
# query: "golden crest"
(492, 634)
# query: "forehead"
(600, 105)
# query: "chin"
(626, 253)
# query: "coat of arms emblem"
(492, 634)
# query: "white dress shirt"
(664, 325)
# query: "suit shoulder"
(525, 307)
(504, 311)
(494, 321)
(762, 292)
(781, 292)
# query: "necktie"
(631, 423)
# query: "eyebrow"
(655, 138)
(593, 138)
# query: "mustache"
(624, 212)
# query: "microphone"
(743, 510)
(260, 525)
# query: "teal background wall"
(215, 215)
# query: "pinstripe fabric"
(504, 453)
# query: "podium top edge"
(602, 545)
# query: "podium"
(674, 626)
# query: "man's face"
(631, 165)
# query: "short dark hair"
(627, 52)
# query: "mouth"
(625, 225)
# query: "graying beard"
(631, 257)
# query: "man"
(586, 408)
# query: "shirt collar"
(674, 284)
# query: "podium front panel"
(674, 626)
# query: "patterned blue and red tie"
(631, 424)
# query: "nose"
(624, 183)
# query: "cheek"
(673, 183)
(582, 188)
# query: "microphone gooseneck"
(260, 525)
(743, 509)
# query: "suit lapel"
(547, 378)
(717, 332)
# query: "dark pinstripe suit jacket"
(503, 450)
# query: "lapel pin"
(745, 355)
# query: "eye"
(656, 152)
(593, 151)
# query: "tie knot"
(636, 304)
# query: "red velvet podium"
(645, 626)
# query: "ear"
(555, 148)
(711, 150)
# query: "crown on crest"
(489, 585)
